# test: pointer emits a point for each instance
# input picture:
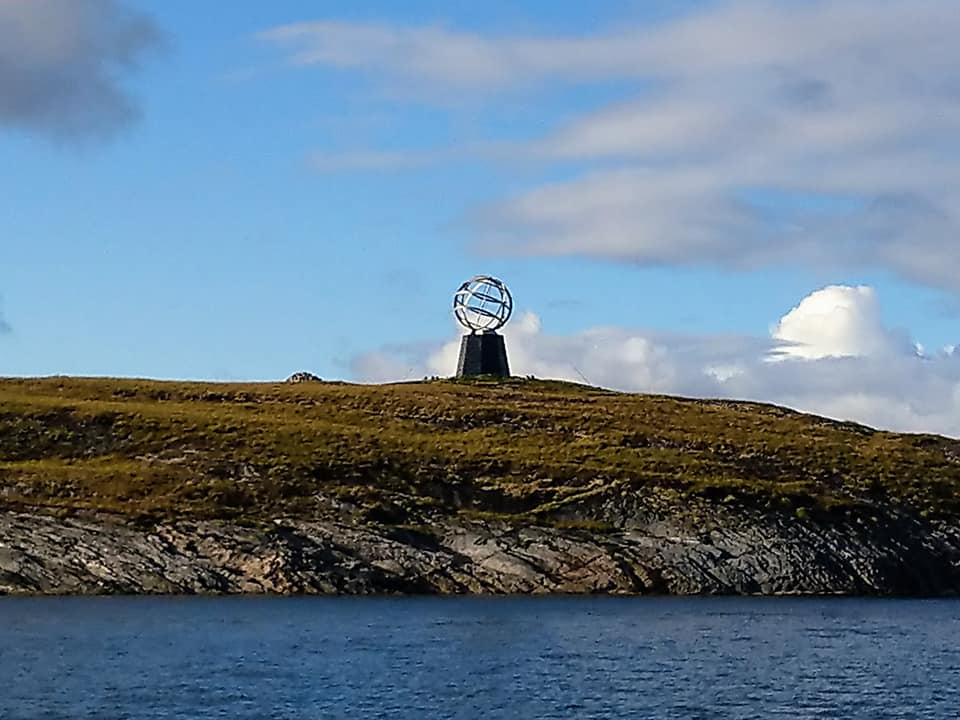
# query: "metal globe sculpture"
(483, 304)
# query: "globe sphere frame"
(483, 304)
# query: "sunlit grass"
(520, 449)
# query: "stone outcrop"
(303, 377)
(732, 553)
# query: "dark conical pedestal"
(483, 354)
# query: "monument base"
(483, 354)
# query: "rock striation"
(883, 554)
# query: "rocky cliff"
(136, 487)
(755, 555)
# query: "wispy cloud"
(61, 62)
(382, 160)
(363, 160)
(4, 325)
(730, 37)
(757, 133)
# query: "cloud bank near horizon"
(830, 355)
(755, 133)
(61, 64)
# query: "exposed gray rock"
(303, 377)
(741, 553)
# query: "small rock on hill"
(303, 377)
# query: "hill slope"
(423, 468)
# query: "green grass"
(526, 450)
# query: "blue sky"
(243, 193)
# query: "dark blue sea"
(115, 658)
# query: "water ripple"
(478, 658)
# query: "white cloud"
(728, 38)
(837, 321)
(60, 64)
(758, 132)
(835, 358)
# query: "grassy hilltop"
(530, 451)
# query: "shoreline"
(744, 555)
